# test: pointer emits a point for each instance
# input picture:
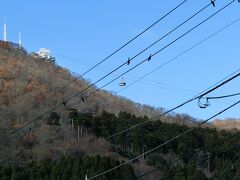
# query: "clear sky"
(88, 31)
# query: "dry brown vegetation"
(29, 87)
(227, 124)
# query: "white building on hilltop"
(44, 53)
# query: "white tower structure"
(20, 39)
(5, 30)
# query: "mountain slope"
(31, 86)
(227, 124)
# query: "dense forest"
(202, 153)
(66, 168)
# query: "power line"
(167, 142)
(147, 59)
(225, 27)
(130, 59)
(227, 167)
(76, 95)
(225, 96)
(207, 103)
(205, 92)
(157, 52)
(184, 52)
(222, 82)
(206, 159)
(209, 91)
(185, 154)
(123, 46)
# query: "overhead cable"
(178, 106)
(157, 52)
(185, 155)
(166, 142)
(127, 43)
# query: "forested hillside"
(31, 86)
(199, 154)
(76, 167)
(74, 133)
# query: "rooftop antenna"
(5, 30)
(20, 39)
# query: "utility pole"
(72, 125)
(5, 30)
(143, 153)
(81, 131)
(20, 39)
(208, 162)
(78, 133)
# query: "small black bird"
(213, 2)
(150, 57)
(128, 62)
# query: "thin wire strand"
(138, 54)
(225, 96)
(206, 159)
(178, 106)
(57, 106)
(123, 46)
(187, 50)
(167, 142)
(157, 52)
(184, 52)
(202, 41)
(227, 168)
(186, 154)
(163, 17)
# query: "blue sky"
(88, 31)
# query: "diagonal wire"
(227, 167)
(187, 154)
(184, 52)
(57, 106)
(157, 52)
(202, 41)
(204, 160)
(163, 17)
(138, 54)
(123, 46)
(167, 142)
(205, 92)
(225, 96)
(77, 94)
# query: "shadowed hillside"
(31, 86)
